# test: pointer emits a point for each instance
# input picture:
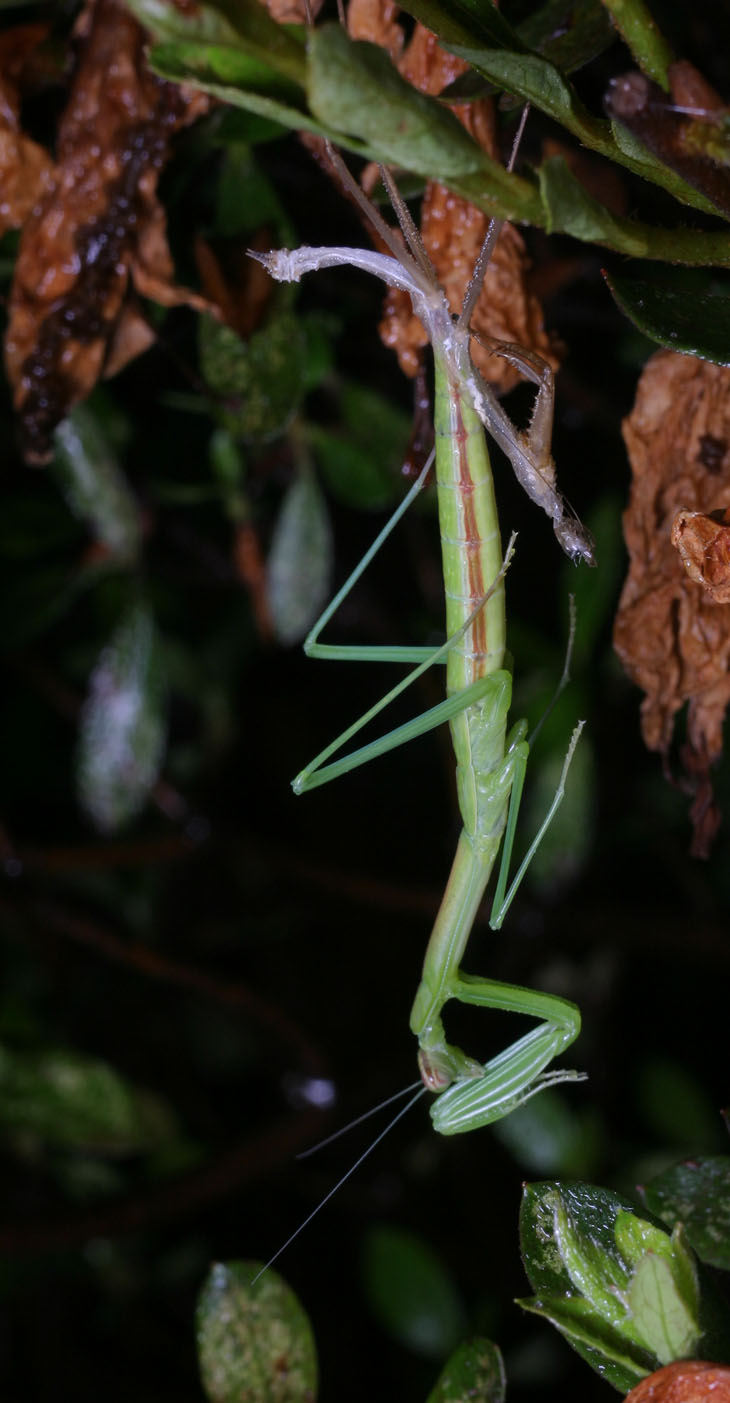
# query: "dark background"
(233, 942)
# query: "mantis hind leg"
(320, 772)
(502, 898)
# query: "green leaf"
(411, 1293)
(354, 88)
(616, 1360)
(662, 1319)
(75, 1101)
(570, 209)
(676, 316)
(697, 1194)
(547, 1137)
(122, 735)
(473, 1374)
(250, 83)
(529, 77)
(255, 1342)
(199, 24)
(299, 565)
(533, 78)
(361, 462)
(259, 380)
(222, 70)
(243, 25)
(460, 21)
(246, 199)
(569, 32)
(94, 485)
(586, 1252)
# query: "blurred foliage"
(202, 975)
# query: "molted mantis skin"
(490, 762)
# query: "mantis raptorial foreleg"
(490, 760)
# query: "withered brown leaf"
(26, 169)
(703, 543)
(671, 635)
(98, 232)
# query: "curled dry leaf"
(703, 543)
(98, 232)
(453, 230)
(26, 170)
(688, 1381)
(671, 634)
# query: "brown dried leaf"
(376, 22)
(672, 637)
(453, 230)
(688, 1381)
(703, 543)
(98, 232)
(26, 170)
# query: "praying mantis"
(490, 759)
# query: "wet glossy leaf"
(299, 566)
(122, 734)
(67, 1099)
(473, 1374)
(617, 1361)
(259, 381)
(697, 1194)
(675, 316)
(94, 485)
(255, 1342)
(586, 1253)
(411, 1293)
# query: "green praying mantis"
(490, 759)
